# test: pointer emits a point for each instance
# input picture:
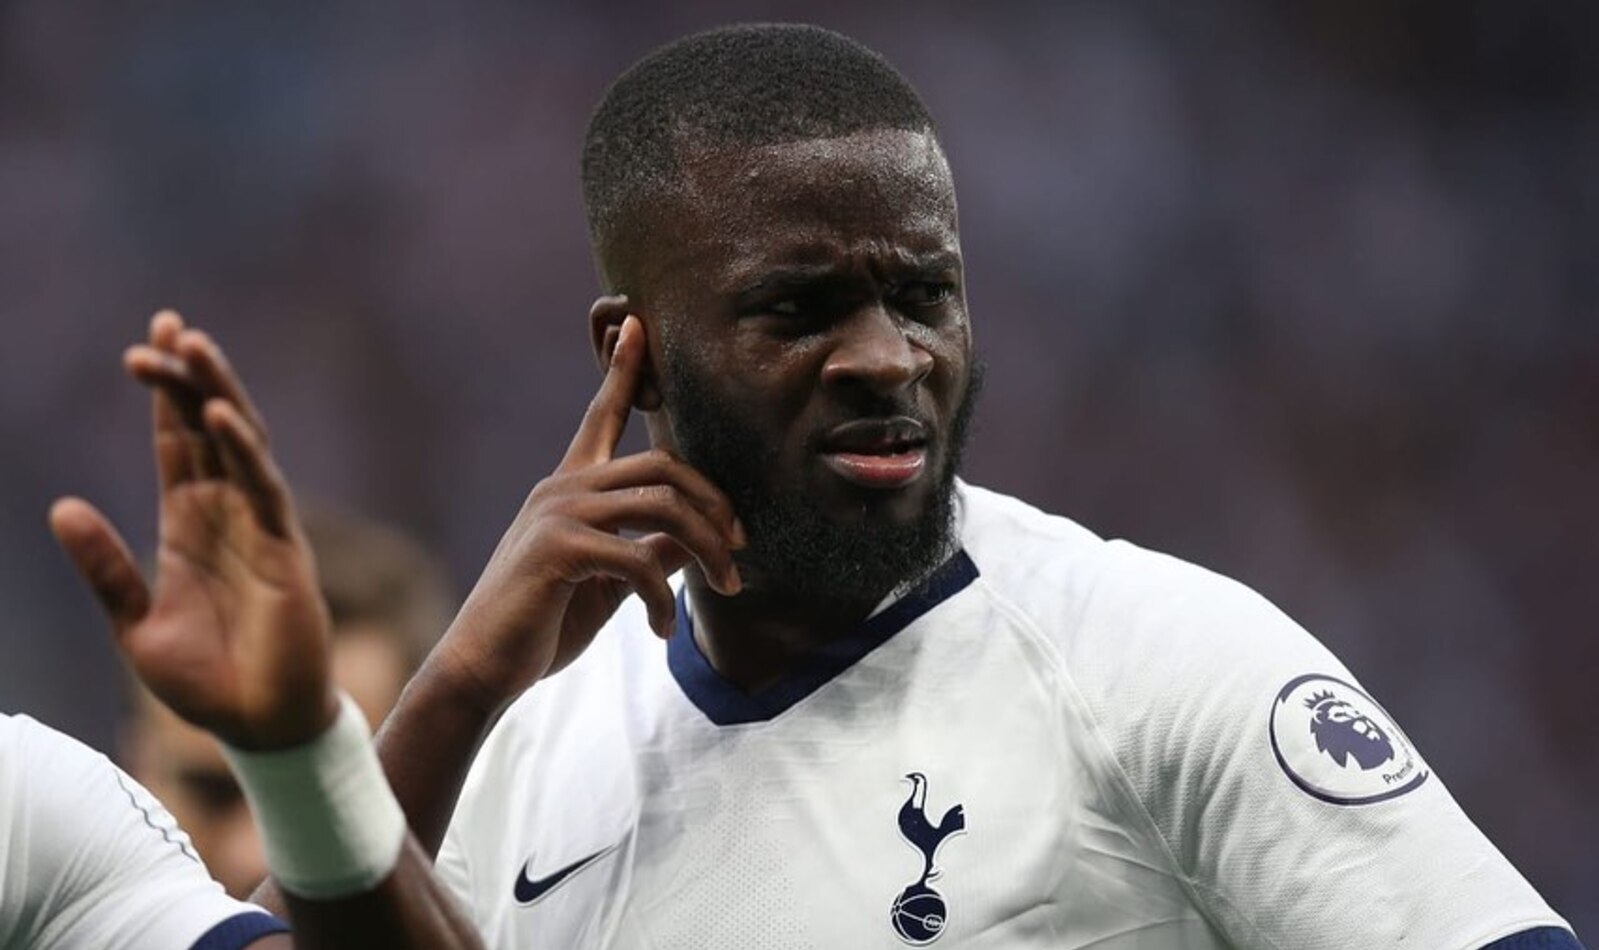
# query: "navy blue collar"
(727, 705)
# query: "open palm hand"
(233, 633)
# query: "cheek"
(771, 381)
(940, 342)
(950, 347)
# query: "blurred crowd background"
(1302, 292)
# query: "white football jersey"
(1055, 741)
(89, 860)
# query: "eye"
(923, 293)
(797, 309)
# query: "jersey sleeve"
(95, 861)
(1294, 808)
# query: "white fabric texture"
(330, 825)
(1100, 715)
(88, 858)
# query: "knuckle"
(660, 460)
(661, 495)
(544, 487)
(645, 557)
(550, 490)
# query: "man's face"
(814, 353)
(184, 768)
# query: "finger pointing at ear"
(602, 426)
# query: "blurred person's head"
(389, 601)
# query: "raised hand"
(595, 530)
(233, 633)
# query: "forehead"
(869, 197)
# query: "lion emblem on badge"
(1339, 745)
(1342, 731)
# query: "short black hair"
(735, 86)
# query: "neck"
(753, 639)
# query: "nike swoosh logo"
(528, 890)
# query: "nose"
(874, 353)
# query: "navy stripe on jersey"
(727, 705)
(240, 931)
(1538, 938)
(166, 829)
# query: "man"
(234, 637)
(892, 708)
(387, 599)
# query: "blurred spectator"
(389, 602)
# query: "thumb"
(102, 559)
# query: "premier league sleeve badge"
(1338, 745)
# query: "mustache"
(898, 411)
(905, 419)
(904, 409)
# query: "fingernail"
(621, 337)
(740, 537)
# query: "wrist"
(330, 825)
(307, 721)
(454, 678)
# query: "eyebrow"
(940, 260)
(788, 277)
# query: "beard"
(794, 546)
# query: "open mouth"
(877, 453)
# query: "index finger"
(180, 450)
(606, 418)
(217, 377)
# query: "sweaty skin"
(823, 288)
(784, 290)
(814, 283)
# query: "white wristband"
(330, 824)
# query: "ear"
(605, 328)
